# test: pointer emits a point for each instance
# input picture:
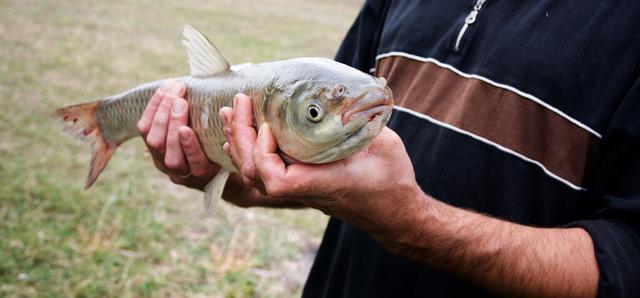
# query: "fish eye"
(314, 113)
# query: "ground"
(134, 234)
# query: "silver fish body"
(319, 110)
(118, 115)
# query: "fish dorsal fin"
(205, 59)
(240, 66)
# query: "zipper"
(471, 18)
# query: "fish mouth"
(371, 104)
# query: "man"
(513, 167)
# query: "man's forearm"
(506, 258)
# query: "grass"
(135, 234)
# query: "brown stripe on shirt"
(494, 113)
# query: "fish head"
(330, 112)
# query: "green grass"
(134, 234)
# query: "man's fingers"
(226, 113)
(244, 134)
(144, 124)
(156, 139)
(240, 133)
(174, 157)
(298, 179)
(199, 164)
(159, 165)
(269, 165)
(244, 111)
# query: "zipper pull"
(471, 18)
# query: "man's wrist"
(429, 232)
(406, 237)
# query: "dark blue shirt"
(529, 113)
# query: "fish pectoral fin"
(205, 59)
(213, 191)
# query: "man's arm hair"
(506, 258)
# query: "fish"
(319, 110)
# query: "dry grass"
(135, 234)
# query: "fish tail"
(81, 121)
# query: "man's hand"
(376, 191)
(174, 146)
(371, 189)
